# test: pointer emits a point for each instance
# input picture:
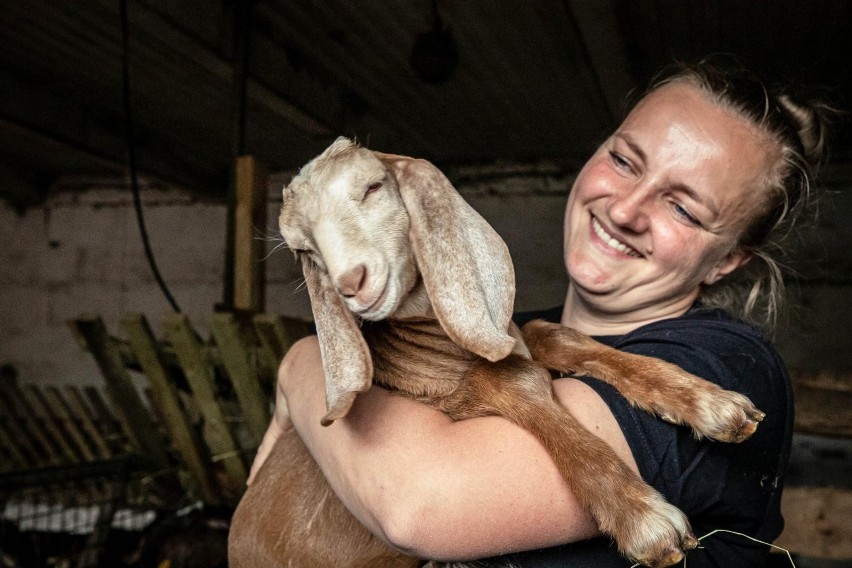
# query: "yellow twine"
(711, 533)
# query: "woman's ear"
(730, 263)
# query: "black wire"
(131, 158)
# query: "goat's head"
(345, 214)
(365, 225)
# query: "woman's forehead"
(682, 132)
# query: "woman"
(689, 192)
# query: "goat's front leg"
(651, 384)
(646, 528)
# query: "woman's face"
(658, 209)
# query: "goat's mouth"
(374, 311)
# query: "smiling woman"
(689, 192)
(657, 211)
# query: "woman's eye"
(686, 215)
(620, 162)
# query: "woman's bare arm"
(437, 488)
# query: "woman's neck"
(593, 318)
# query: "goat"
(411, 289)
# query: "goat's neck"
(416, 357)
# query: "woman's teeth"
(611, 241)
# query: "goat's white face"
(345, 212)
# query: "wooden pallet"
(209, 400)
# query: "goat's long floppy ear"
(465, 265)
(345, 356)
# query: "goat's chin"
(415, 304)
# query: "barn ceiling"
(534, 81)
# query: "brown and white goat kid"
(412, 290)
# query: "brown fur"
(460, 361)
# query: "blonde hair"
(799, 127)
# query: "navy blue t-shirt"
(719, 486)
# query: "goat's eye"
(373, 187)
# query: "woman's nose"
(629, 209)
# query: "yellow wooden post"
(249, 230)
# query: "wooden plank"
(59, 408)
(817, 521)
(277, 334)
(237, 360)
(824, 379)
(119, 387)
(823, 402)
(20, 436)
(112, 427)
(248, 250)
(35, 397)
(83, 414)
(249, 218)
(28, 415)
(198, 369)
(165, 396)
(16, 458)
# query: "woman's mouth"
(611, 241)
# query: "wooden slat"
(823, 402)
(277, 334)
(198, 369)
(83, 413)
(20, 437)
(249, 217)
(237, 360)
(59, 408)
(16, 457)
(59, 436)
(165, 396)
(817, 521)
(111, 426)
(18, 407)
(120, 389)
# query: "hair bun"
(811, 121)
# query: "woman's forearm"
(433, 487)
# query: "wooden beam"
(200, 374)
(249, 224)
(148, 22)
(165, 396)
(120, 388)
(823, 402)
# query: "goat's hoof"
(726, 416)
(661, 536)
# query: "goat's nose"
(351, 281)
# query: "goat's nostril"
(351, 282)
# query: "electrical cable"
(131, 158)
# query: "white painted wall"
(81, 253)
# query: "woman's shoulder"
(712, 344)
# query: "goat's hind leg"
(651, 384)
(646, 528)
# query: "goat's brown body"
(290, 516)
